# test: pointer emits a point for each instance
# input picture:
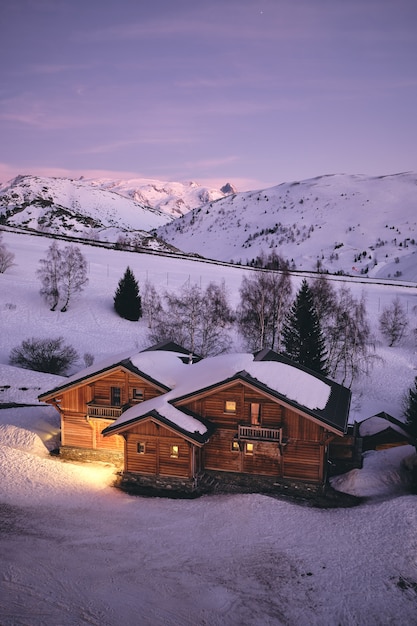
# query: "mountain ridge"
(338, 223)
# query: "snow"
(334, 219)
(296, 385)
(74, 550)
(375, 424)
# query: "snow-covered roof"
(378, 423)
(299, 387)
(163, 367)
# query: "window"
(235, 446)
(255, 413)
(138, 393)
(141, 447)
(249, 448)
(230, 406)
(115, 396)
(175, 451)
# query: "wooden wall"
(303, 457)
(157, 459)
(79, 432)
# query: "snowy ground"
(74, 550)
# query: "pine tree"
(302, 337)
(127, 300)
(411, 409)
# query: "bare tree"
(349, 343)
(264, 299)
(63, 273)
(74, 273)
(49, 273)
(151, 303)
(6, 257)
(199, 320)
(393, 322)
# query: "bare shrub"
(44, 355)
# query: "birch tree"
(264, 299)
(62, 273)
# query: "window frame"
(255, 420)
(115, 393)
(138, 396)
(230, 411)
(249, 452)
(141, 444)
(174, 451)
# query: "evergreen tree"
(301, 334)
(127, 300)
(411, 409)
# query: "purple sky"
(255, 92)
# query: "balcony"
(259, 433)
(100, 410)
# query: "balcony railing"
(98, 410)
(257, 432)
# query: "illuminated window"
(141, 447)
(138, 394)
(249, 448)
(175, 451)
(230, 406)
(235, 446)
(255, 413)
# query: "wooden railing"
(98, 410)
(257, 432)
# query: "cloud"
(9, 171)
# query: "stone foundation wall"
(214, 482)
(87, 455)
(158, 485)
(230, 482)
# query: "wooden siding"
(219, 455)
(302, 457)
(157, 459)
(74, 404)
(304, 461)
(77, 432)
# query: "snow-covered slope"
(174, 199)
(346, 223)
(350, 224)
(74, 207)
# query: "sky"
(254, 92)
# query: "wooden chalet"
(93, 399)
(383, 431)
(173, 420)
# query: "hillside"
(102, 210)
(189, 550)
(351, 224)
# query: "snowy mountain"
(348, 224)
(75, 208)
(174, 199)
(100, 209)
